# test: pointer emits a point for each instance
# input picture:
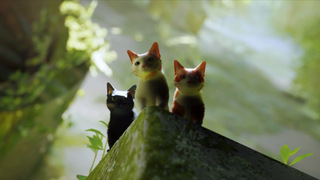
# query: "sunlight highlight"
(190, 40)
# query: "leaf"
(98, 140)
(299, 158)
(284, 152)
(294, 151)
(94, 147)
(104, 123)
(92, 141)
(81, 177)
(96, 131)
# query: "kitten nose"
(144, 66)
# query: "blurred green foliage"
(86, 36)
(38, 80)
(187, 17)
(42, 65)
(301, 20)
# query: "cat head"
(120, 101)
(146, 65)
(189, 80)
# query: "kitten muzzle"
(120, 109)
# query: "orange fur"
(177, 109)
(176, 94)
(151, 75)
(155, 50)
(132, 55)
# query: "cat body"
(122, 112)
(188, 101)
(152, 86)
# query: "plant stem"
(95, 155)
(105, 146)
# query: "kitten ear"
(154, 50)
(201, 67)
(132, 55)
(110, 89)
(132, 90)
(177, 67)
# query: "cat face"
(189, 80)
(146, 65)
(120, 101)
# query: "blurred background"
(261, 86)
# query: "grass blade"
(299, 158)
(294, 151)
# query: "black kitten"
(122, 113)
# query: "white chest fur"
(152, 92)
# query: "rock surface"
(160, 145)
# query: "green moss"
(161, 145)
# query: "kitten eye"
(137, 63)
(113, 98)
(124, 99)
(182, 76)
(150, 59)
(197, 77)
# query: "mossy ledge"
(161, 145)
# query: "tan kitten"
(152, 87)
(188, 101)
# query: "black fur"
(122, 112)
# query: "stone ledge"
(160, 145)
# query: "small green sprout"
(285, 153)
(95, 145)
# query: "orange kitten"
(188, 101)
